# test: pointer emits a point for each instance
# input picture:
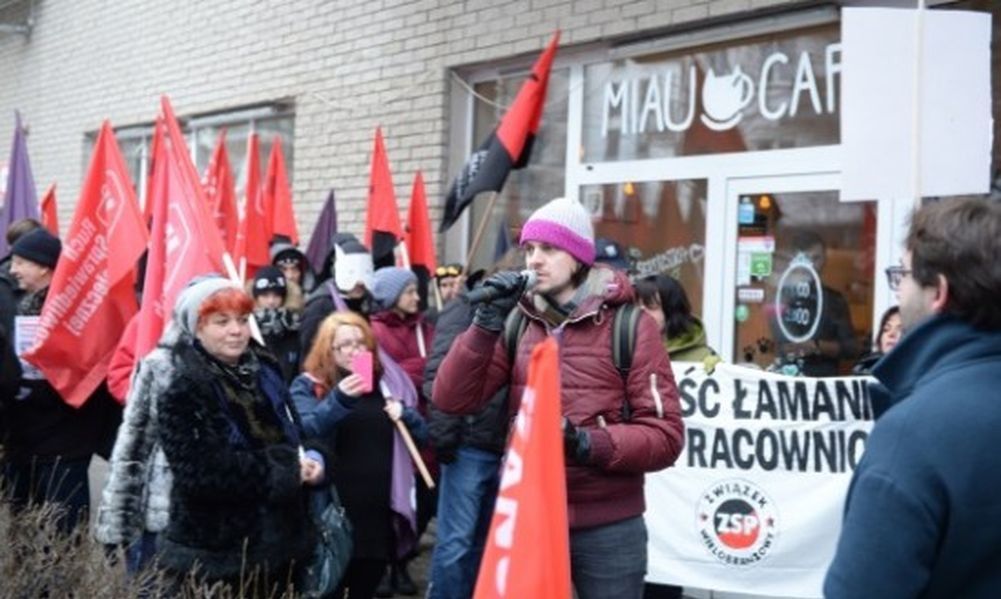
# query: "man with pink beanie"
(616, 426)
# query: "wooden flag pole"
(421, 345)
(414, 454)
(478, 238)
(409, 442)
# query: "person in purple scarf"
(373, 476)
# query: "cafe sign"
(670, 96)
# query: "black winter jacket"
(237, 500)
(486, 429)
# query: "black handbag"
(334, 545)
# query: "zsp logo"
(736, 522)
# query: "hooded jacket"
(609, 487)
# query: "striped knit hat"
(564, 224)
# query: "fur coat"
(236, 501)
(136, 497)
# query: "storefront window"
(804, 282)
(770, 92)
(662, 223)
(528, 188)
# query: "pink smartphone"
(361, 364)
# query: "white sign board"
(754, 502)
(953, 105)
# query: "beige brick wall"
(349, 65)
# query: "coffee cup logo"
(723, 98)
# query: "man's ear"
(941, 294)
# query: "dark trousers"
(609, 561)
(56, 481)
(361, 579)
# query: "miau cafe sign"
(653, 102)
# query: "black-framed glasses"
(896, 274)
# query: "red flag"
(220, 193)
(50, 212)
(278, 195)
(255, 228)
(419, 239)
(509, 146)
(528, 549)
(91, 297)
(382, 221)
(184, 242)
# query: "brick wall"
(348, 65)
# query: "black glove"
(576, 443)
(490, 315)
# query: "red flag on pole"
(92, 296)
(527, 554)
(278, 194)
(509, 146)
(184, 242)
(255, 228)
(220, 193)
(419, 238)
(382, 221)
(50, 212)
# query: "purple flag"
(20, 200)
(320, 243)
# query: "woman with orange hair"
(239, 503)
(357, 420)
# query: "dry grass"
(39, 560)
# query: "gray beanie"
(390, 281)
(191, 298)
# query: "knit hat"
(564, 224)
(282, 251)
(390, 282)
(39, 246)
(269, 278)
(193, 296)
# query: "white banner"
(754, 502)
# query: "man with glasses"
(921, 512)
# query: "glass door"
(800, 275)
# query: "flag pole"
(405, 256)
(415, 455)
(234, 275)
(478, 238)
(916, 135)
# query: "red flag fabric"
(255, 228)
(278, 195)
(91, 297)
(527, 553)
(509, 146)
(383, 216)
(221, 194)
(50, 212)
(184, 242)
(419, 239)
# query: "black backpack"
(623, 340)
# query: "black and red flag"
(383, 229)
(508, 147)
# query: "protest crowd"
(285, 420)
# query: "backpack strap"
(624, 324)
(514, 327)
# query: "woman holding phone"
(341, 402)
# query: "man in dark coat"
(921, 510)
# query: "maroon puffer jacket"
(610, 487)
(398, 337)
